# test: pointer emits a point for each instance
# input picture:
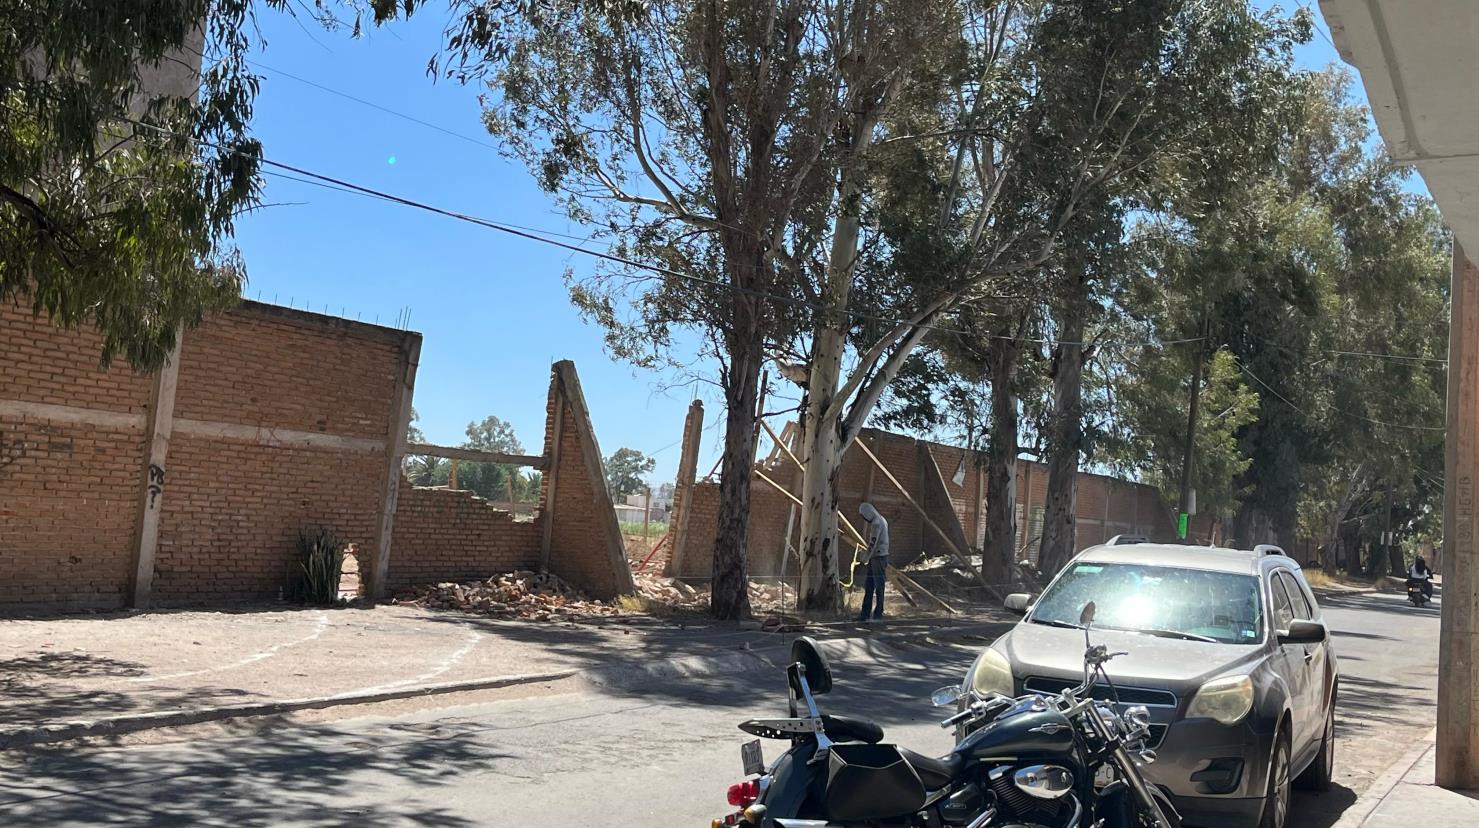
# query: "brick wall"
(1133, 508)
(443, 535)
(767, 531)
(586, 547)
(280, 424)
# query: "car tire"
(1277, 795)
(1318, 775)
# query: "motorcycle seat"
(935, 773)
(850, 729)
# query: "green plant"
(321, 561)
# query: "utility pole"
(1188, 461)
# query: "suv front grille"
(1127, 695)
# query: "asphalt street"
(653, 755)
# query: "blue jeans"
(873, 585)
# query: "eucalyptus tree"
(118, 193)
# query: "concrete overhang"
(1420, 67)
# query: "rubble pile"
(530, 596)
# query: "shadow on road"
(286, 776)
(33, 689)
(1320, 810)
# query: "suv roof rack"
(1125, 540)
(1268, 549)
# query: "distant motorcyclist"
(1419, 572)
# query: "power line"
(371, 104)
(542, 236)
(1333, 409)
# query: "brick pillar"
(693, 429)
(395, 450)
(1458, 648)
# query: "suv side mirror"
(1303, 632)
(1018, 602)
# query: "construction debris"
(542, 596)
(530, 596)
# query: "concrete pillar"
(1458, 648)
(395, 452)
(157, 430)
(693, 429)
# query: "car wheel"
(1318, 775)
(1276, 798)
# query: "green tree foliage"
(1310, 275)
(625, 470)
(117, 202)
(1151, 398)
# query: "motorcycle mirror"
(1086, 617)
(945, 696)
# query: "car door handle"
(1309, 655)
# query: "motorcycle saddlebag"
(870, 782)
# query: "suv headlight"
(1225, 700)
(992, 674)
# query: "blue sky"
(493, 309)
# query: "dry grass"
(1324, 579)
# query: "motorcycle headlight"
(1225, 700)
(992, 674)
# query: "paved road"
(656, 756)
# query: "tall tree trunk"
(824, 440)
(1001, 462)
(729, 594)
(1066, 430)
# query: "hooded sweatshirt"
(876, 533)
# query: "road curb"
(1366, 804)
(134, 723)
(625, 675)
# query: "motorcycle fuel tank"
(1044, 733)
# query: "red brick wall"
(767, 531)
(233, 509)
(232, 513)
(580, 540)
(233, 503)
(1133, 508)
(443, 535)
(67, 503)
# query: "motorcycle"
(1036, 761)
(1417, 591)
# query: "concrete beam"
(693, 429)
(73, 415)
(159, 425)
(476, 456)
(395, 449)
(1458, 639)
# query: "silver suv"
(1227, 649)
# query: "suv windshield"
(1162, 600)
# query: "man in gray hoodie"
(876, 534)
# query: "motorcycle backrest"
(804, 651)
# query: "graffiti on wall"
(156, 483)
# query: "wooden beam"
(960, 556)
(913, 584)
(395, 448)
(551, 475)
(477, 456)
(693, 429)
(151, 493)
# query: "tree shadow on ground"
(1366, 602)
(34, 689)
(1365, 705)
(288, 776)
